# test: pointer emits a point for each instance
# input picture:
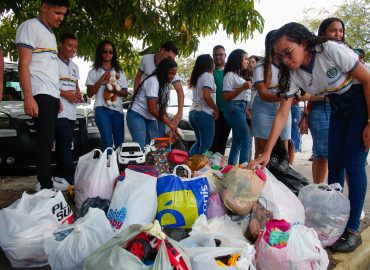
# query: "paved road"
(12, 187)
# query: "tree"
(354, 14)
(149, 21)
(185, 68)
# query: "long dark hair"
(269, 54)
(299, 34)
(161, 72)
(98, 62)
(325, 24)
(204, 63)
(235, 62)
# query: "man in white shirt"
(148, 64)
(39, 78)
(69, 95)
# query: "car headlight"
(185, 125)
(91, 120)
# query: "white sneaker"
(362, 215)
(60, 184)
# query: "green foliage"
(185, 67)
(355, 15)
(150, 21)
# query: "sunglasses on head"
(107, 52)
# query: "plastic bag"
(258, 218)
(113, 253)
(95, 202)
(197, 162)
(23, 224)
(327, 211)
(281, 169)
(134, 201)
(86, 235)
(180, 200)
(303, 251)
(241, 188)
(216, 207)
(95, 177)
(279, 199)
(214, 178)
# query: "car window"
(173, 98)
(131, 149)
(12, 87)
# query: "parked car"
(184, 129)
(17, 131)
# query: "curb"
(358, 259)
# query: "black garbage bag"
(281, 169)
(95, 202)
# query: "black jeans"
(222, 131)
(63, 144)
(45, 129)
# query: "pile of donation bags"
(204, 215)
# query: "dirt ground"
(12, 187)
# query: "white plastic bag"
(113, 254)
(327, 211)
(23, 224)
(276, 197)
(134, 201)
(95, 177)
(303, 251)
(86, 235)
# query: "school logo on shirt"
(332, 72)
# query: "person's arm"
(30, 106)
(209, 101)
(1, 74)
(180, 102)
(363, 76)
(279, 122)
(153, 110)
(264, 94)
(229, 95)
(137, 79)
(93, 89)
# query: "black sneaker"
(348, 242)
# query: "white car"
(17, 131)
(130, 153)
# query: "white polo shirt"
(36, 36)
(328, 72)
(68, 77)
(206, 80)
(232, 81)
(147, 67)
(258, 76)
(93, 76)
(149, 90)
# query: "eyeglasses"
(288, 54)
(107, 52)
(218, 54)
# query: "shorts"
(263, 115)
(318, 123)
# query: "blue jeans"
(111, 126)
(142, 130)
(296, 135)
(63, 144)
(161, 128)
(203, 125)
(241, 146)
(346, 148)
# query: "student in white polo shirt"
(109, 119)
(39, 78)
(69, 95)
(326, 67)
(148, 64)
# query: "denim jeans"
(45, 132)
(63, 144)
(241, 142)
(142, 130)
(111, 126)
(346, 148)
(203, 125)
(222, 132)
(296, 135)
